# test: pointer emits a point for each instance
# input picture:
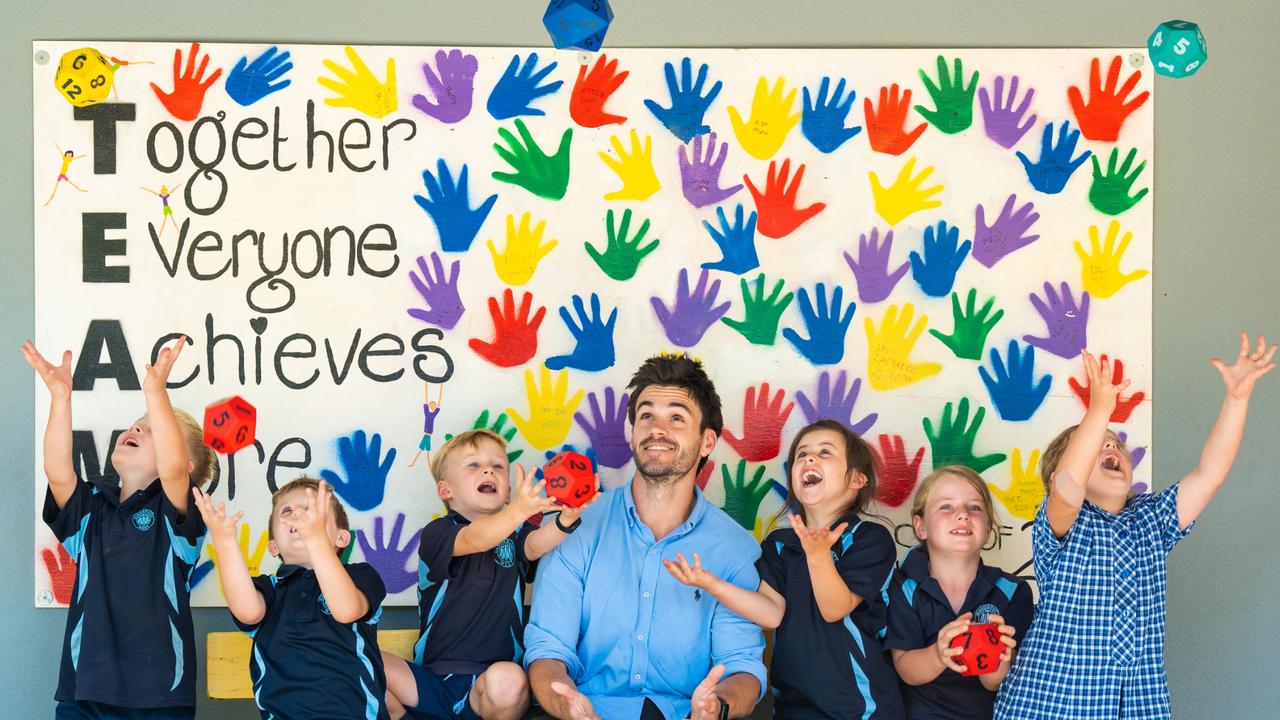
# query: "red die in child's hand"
(982, 649)
(569, 479)
(229, 424)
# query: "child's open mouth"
(130, 442)
(1111, 462)
(962, 531)
(810, 477)
(487, 487)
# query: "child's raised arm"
(546, 538)
(346, 603)
(484, 534)
(58, 467)
(764, 607)
(243, 599)
(835, 598)
(1202, 483)
(173, 456)
(1070, 478)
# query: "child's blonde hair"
(925, 490)
(467, 439)
(203, 458)
(1052, 454)
(306, 483)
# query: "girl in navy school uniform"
(943, 586)
(823, 585)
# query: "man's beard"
(656, 472)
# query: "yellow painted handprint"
(889, 364)
(519, 259)
(904, 196)
(550, 416)
(1101, 266)
(360, 89)
(764, 527)
(252, 561)
(1026, 492)
(762, 134)
(634, 169)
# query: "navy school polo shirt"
(129, 639)
(470, 608)
(305, 664)
(918, 609)
(826, 669)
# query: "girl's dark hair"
(859, 458)
(67, 153)
(678, 370)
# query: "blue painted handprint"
(364, 472)
(943, 256)
(827, 325)
(688, 104)
(692, 313)
(449, 206)
(519, 86)
(1012, 384)
(391, 560)
(594, 349)
(1051, 172)
(737, 242)
(823, 119)
(249, 82)
(836, 404)
(607, 430)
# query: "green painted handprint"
(971, 328)
(500, 428)
(954, 102)
(760, 323)
(621, 257)
(953, 443)
(1110, 191)
(546, 176)
(741, 498)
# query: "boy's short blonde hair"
(925, 489)
(203, 459)
(306, 483)
(1052, 455)
(468, 439)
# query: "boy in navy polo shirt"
(473, 566)
(313, 623)
(130, 648)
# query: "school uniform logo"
(505, 553)
(984, 611)
(144, 519)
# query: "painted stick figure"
(163, 193)
(116, 64)
(429, 412)
(68, 157)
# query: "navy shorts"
(84, 710)
(442, 696)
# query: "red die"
(229, 424)
(982, 649)
(569, 479)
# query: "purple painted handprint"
(1135, 458)
(692, 312)
(440, 293)
(607, 430)
(1066, 321)
(1004, 122)
(452, 84)
(835, 403)
(871, 269)
(390, 559)
(700, 178)
(1007, 233)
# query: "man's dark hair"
(678, 370)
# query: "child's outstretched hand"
(157, 377)
(816, 542)
(1006, 637)
(313, 520)
(946, 653)
(1241, 376)
(527, 498)
(570, 515)
(222, 527)
(695, 576)
(56, 377)
(1103, 392)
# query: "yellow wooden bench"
(227, 660)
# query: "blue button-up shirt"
(624, 628)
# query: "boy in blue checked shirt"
(1096, 646)
(130, 648)
(313, 623)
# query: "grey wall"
(1217, 253)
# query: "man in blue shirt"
(611, 633)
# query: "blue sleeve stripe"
(187, 551)
(1007, 586)
(178, 662)
(909, 591)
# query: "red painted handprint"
(591, 92)
(515, 335)
(62, 573)
(705, 474)
(1106, 111)
(887, 127)
(898, 476)
(1124, 406)
(189, 86)
(777, 213)
(762, 421)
